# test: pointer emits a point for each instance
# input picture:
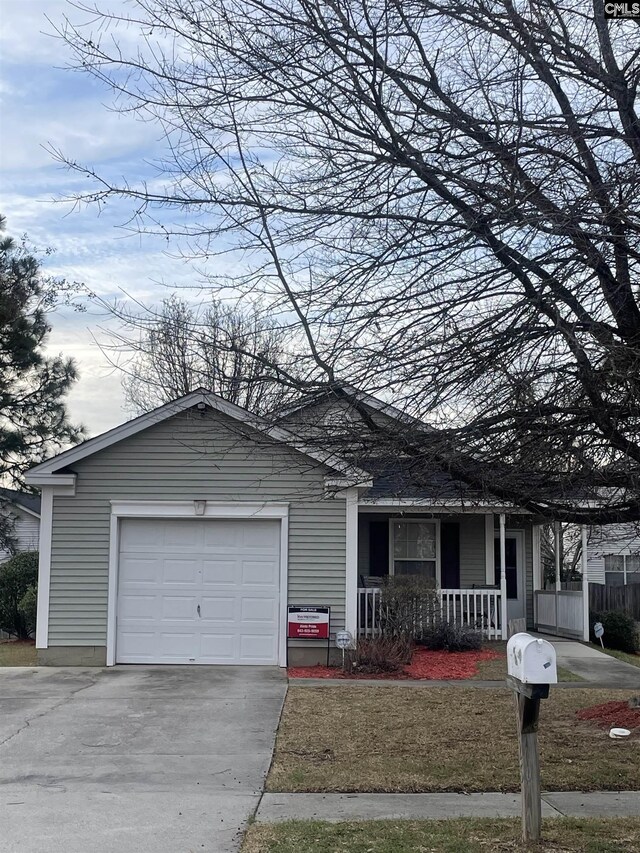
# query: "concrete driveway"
(133, 759)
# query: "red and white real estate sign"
(309, 623)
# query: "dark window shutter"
(450, 555)
(379, 548)
(511, 566)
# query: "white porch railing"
(560, 612)
(477, 608)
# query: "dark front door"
(514, 572)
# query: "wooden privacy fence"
(627, 598)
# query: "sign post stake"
(527, 714)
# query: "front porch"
(485, 565)
(481, 563)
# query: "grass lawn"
(614, 653)
(370, 738)
(496, 670)
(17, 653)
(462, 835)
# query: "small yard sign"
(309, 623)
(598, 630)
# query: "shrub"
(17, 576)
(407, 603)
(620, 631)
(380, 654)
(449, 637)
(28, 606)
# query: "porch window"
(414, 548)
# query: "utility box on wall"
(531, 660)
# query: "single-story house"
(23, 510)
(183, 536)
(614, 554)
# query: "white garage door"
(198, 591)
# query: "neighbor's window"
(414, 548)
(620, 569)
(632, 566)
(614, 569)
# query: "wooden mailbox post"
(532, 668)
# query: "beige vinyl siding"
(183, 458)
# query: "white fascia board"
(119, 433)
(46, 479)
(380, 504)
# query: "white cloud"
(45, 105)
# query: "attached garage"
(198, 591)
(180, 538)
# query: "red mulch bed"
(611, 715)
(440, 666)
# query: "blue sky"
(43, 104)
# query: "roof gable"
(201, 398)
(29, 503)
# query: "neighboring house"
(24, 510)
(614, 554)
(182, 536)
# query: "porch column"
(537, 568)
(503, 575)
(351, 576)
(585, 586)
(557, 536)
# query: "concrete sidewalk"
(595, 667)
(343, 807)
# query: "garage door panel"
(182, 537)
(179, 607)
(263, 536)
(180, 571)
(221, 536)
(259, 572)
(138, 607)
(218, 609)
(218, 648)
(135, 570)
(216, 572)
(139, 536)
(170, 568)
(139, 644)
(259, 610)
(257, 649)
(178, 644)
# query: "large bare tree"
(168, 352)
(442, 192)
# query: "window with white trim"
(414, 549)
